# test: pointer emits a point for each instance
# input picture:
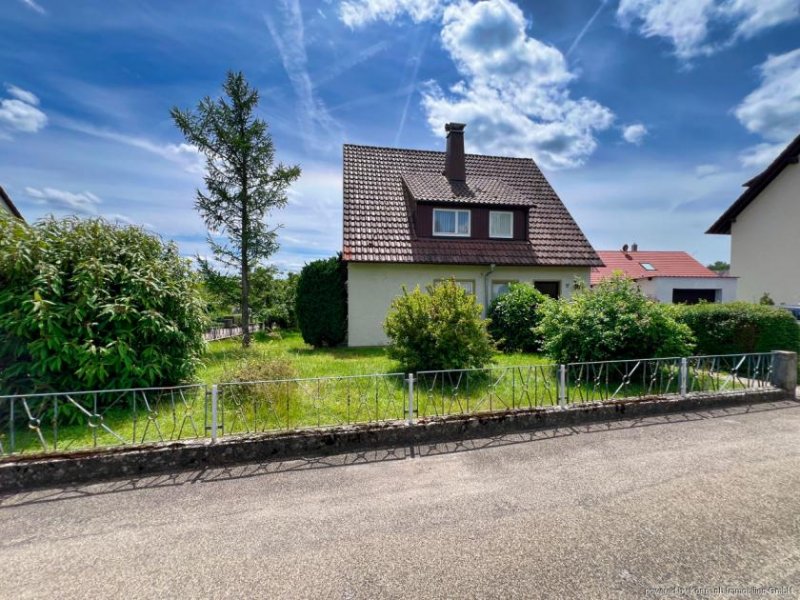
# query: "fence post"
(684, 376)
(784, 371)
(214, 397)
(410, 398)
(562, 386)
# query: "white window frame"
(455, 211)
(510, 235)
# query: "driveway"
(688, 504)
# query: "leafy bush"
(736, 327)
(85, 304)
(263, 405)
(438, 329)
(611, 321)
(514, 315)
(321, 304)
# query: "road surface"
(687, 504)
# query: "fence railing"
(59, 422)
(222, 333)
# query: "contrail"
(586, 27)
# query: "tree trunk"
(245, 279)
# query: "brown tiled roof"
(432, 187)
(377, 226)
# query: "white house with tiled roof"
(414, 217)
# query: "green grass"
(279, 406)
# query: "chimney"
(624, 247)
(635, 247)
(454, 162)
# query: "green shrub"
(514, 315)
(85, 304)
(438, 329)
(612, 321)
(738, 327)
(321, 304)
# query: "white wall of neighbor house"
(373, 286)
(765, 242)
(661, 288)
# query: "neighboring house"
(414, 217)
(666, 276)
(8, 205)
(764, 225)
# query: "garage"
(688, 296)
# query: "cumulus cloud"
(357, 13)
(514, 93)
(82, 203)
(20, 112)
(634, 133)
(773, 109)
(687, 24)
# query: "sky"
(646, 116)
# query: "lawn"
(323, 387)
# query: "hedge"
(513, 317)
(321, 302)
(739, 327)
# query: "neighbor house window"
(647, 267)
(467, 284)
(501, 224)
(448, 221)
(548, 288)
(500, 287)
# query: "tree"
(321, 302)
(87, 305)
(242, 182)
(719, 266)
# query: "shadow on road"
(265, 468)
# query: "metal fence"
(58, 422)
(223, 333)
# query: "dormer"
(457, 205)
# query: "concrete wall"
(372, 287)
(765, 242)
(660, 288)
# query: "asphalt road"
(627, 510)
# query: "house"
(7, 205)
(666, 276)
(764, 225)
(414, 217)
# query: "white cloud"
(357, 13)
(34, 6)
(707, 170)
(316, 124)
(82, 203)
(21, 112)
(514, 95)
(686, 24)
(634, 134)
(773, 109)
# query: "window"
(647, 267)
(501, 224)
(447, 221)
(548, 288)
(500, 287)
(467, 284)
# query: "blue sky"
(646, 115)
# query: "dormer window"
(501, 224)
(449, 221)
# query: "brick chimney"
(454, 162)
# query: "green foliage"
(766, 300)
(612, 321)
(719, 266)
(736, 327)
(277, 302)
(91, 305)
(514, 315)
(441, 328)
(243, 184)
(321, 302)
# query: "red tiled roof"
(378, 228)
(666, 263)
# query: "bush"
(85, 304)
(514, 315)
(612, 321)
(739, 327)
(440, 329)
(321, 304)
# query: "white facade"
(662, 288)
(373, 286)
(765, 242)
